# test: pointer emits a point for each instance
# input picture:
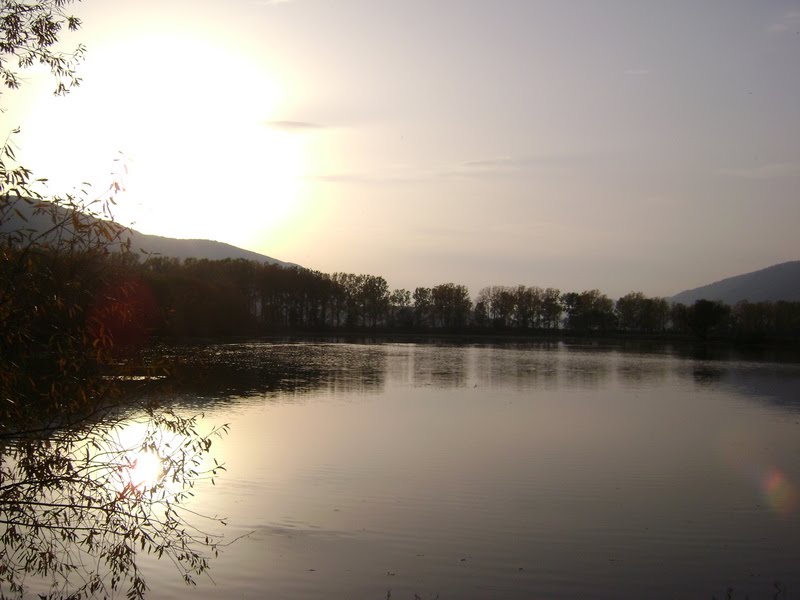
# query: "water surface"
(516, 471)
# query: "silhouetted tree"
(787, 319)
(525, 306)
(451, 305)
(636, 312)
(423, 305)
(588, 311)
(66, 310)
(375, 298)
(481, 313)
(706, 316)
(338, 299)
(551, 308)
(400, 307)
(502, 304)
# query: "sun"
(137, 467)
(143, 472)
(182, 124)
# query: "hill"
(177, 248)
(778, 282)
(145, 243)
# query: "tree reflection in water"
(79, 505)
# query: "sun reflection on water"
(143, 472)
(146, 459)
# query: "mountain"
(778, 282)
(27, 219)
(177, 248)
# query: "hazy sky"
(620, 145)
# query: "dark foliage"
(74, 513)
(235, 297)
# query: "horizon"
(623, 148)
(474, 291)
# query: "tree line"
(206, 298)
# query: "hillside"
(778, 282)
(148, 244)
(177, 248)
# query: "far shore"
(368, 335)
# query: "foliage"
(29, 35)
(758, 320)
(401, 314)
(77, 508)
(55, 307)
(71, 314)
(451, 305)
(589, 311)
(422, 306)
(636, 312)
(523, 308)
(205, 298)
(706, 316)
(53, 253)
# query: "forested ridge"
(236, 297)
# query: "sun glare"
(188, 122)
(144, 471)
(139, 469)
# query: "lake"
(496, 471)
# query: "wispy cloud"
(636, 72)
(500, 162)
(294, 125)
(502, 166)
(789, 23)
(486, 167)
(393, 176)
(764, 172)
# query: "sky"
(618, 145)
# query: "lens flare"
(781, 495)
(741, 451)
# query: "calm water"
(497, 472)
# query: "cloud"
(764, 172)
(383, 177)
(485, 167)
(502, 166)
(293, 125)
(502, 162)
(509, 164)
(790, 22)
(636, 72)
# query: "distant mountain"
(176, 248)
(778, 282)
(145, 243)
